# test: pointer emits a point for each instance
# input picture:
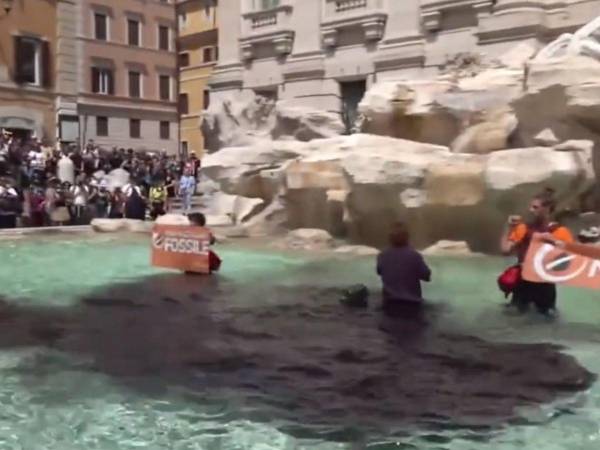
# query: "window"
(266, 4)
(182, 20)
(184, 107)
(208, 54)
(135, 128)
(135, 84)
(101, 26)
(165, 87)
(101, 126)
(206, 99)
(32, 59)
(102, 81)
(165, 130)
(163, 37)
(134, 32)
(184, 59)
(184, 148)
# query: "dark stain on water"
(309, 367)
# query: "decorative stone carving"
(374, 29)
(585, 41)
(329, 37)
(247, 52)
(431, 20)
(284, 44)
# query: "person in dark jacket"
(402, 269)
(135, 206)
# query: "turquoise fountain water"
(53, 399)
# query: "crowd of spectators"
(43, 186)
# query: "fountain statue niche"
(585, 41)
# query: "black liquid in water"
(308, 366)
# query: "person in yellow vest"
(158, 198)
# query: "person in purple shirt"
(401, 269)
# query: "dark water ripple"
(311, 368)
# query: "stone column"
(228, 74)
(229, 22)
(402, 46)
(306, 21)
(67, 68)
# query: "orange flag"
(546, 263)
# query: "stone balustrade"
(344, 5)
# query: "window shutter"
(46, 61)
(183, 104)
(18, 74)
(95, 80)
(111, 83)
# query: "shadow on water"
(307, 366)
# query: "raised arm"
(514, 232)
(424, 270)
(507, 246)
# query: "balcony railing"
(335, 9)
(264, 19)
(345, 5)
(370, 15)
(260, 22)
(267, 28)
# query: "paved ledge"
(46, 230)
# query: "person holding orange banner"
(517, 239)
(588, 250)
(214, 262)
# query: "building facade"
(28, 48)
(325, 53)
(127, 74)
(198, 54)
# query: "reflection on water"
(100, 351)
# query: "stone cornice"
(372, 22)
(227, 77)
(402, 53)
(308, 67)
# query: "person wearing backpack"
(516, 241)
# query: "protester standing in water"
(402, 269)
(516, 240)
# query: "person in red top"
(516, 240)
(199, 220)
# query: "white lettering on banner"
(542, 268)
(179, 244)
(594, 269)
(184, 245)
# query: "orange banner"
(546, 263)
(179, 247)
